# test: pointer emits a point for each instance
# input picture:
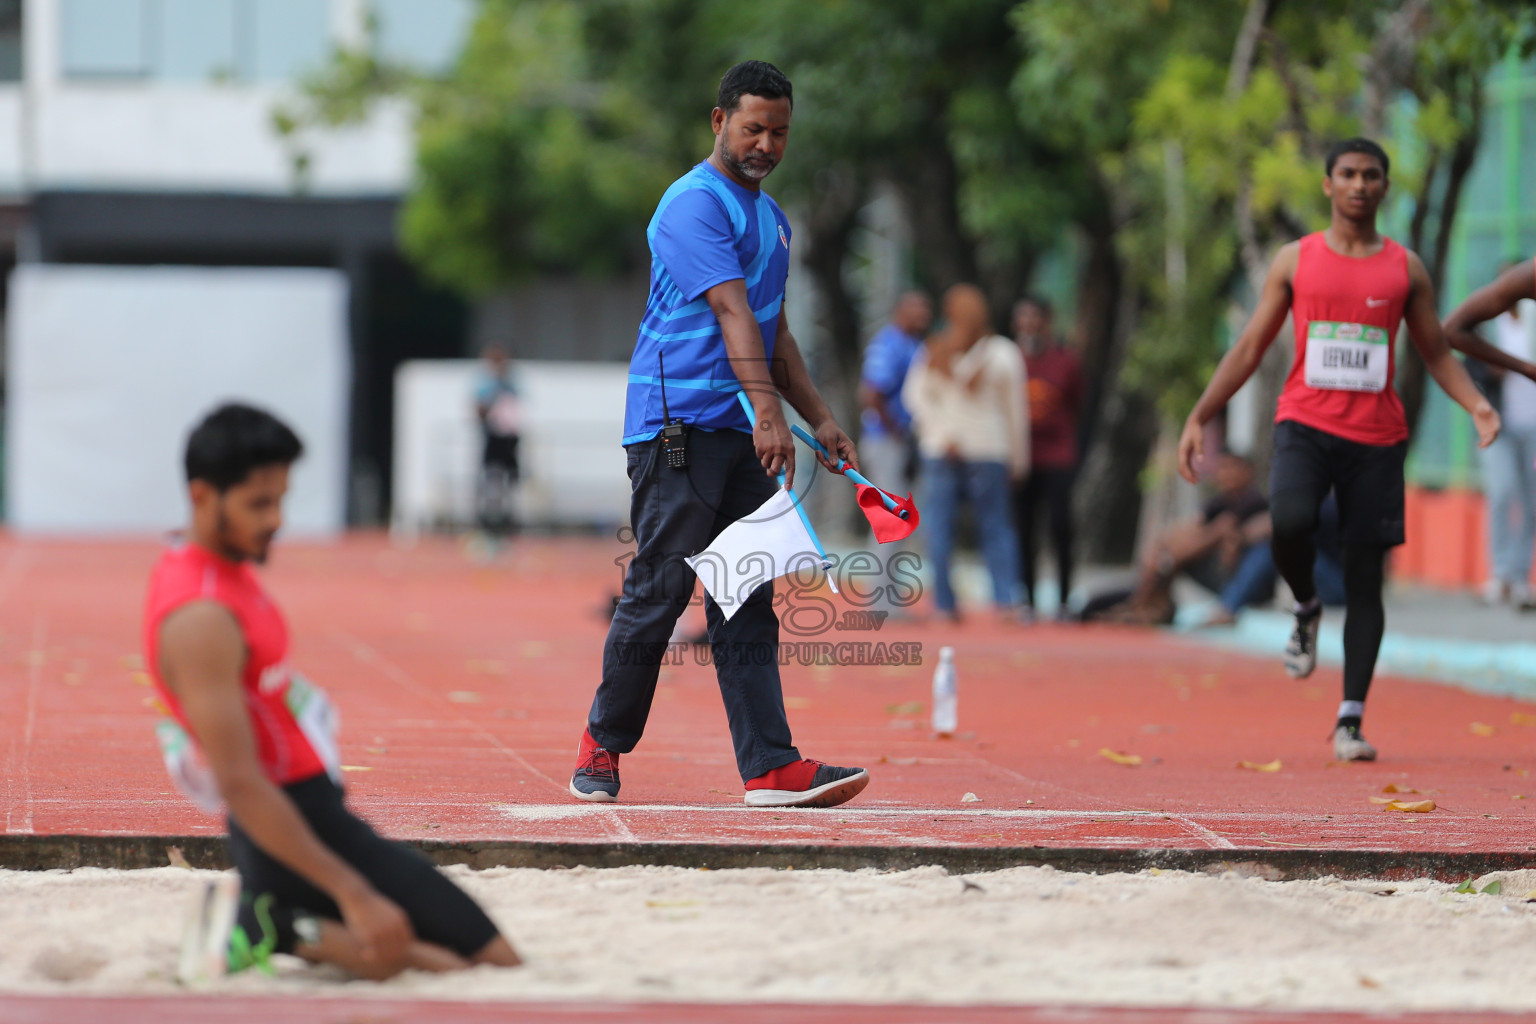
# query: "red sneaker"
(597, 772)
(806, 783)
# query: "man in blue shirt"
(714, 325)
(885, 438)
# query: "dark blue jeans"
(676, 513)
(947, 484)
(1254, 579)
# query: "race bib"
(1346, 357)
(185, 764)
(318, 720)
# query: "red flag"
(888, 525)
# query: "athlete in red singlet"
(189, 572)
(1339, 424)
(245, 731)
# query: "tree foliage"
(1171, 145)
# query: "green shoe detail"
(244, 954)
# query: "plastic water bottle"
(946, 693)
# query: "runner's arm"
(771, 438)
(1516, 283)
(1424, 330)
(201, 658)
(1241, 359)
(798, 388)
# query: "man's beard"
(233, 551)
(753, 167)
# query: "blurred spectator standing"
(966, 395)
(1055, 382)
(500, 412)
(1508, 471)
(887, 448)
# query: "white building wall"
(63, 133)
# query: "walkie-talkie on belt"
(674, 433)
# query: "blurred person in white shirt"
(966, 394)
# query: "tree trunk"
(1100, 283)
(1124, 420)
(832, 216)
(930, 189)
(1412, 376)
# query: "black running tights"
(1295, 524)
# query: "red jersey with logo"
(1055, 400)
(187, 573)
(1346, 311)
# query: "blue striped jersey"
(706, 230)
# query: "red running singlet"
(188, 573)
(1346, 312)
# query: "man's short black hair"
(1357, 145)
(235, 439)
(753, 78)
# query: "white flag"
(773, 541)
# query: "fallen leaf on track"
(1521, 718)
(970, 798)
(1412, 806)
(914, 707)
(1267, 766)
(1481, 729)
(1393, 787)
(1119, 758)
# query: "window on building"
(288, 38)
(10, 40)
(106, 38)
(193, 40)
(197, 40)
(424, 34)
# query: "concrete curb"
(42, 853)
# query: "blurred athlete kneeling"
(245, 731)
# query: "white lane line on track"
(1021, 777)
(34, 676)
(10, 785)
(1215, 840)
(551, 812)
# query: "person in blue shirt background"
(885, 436)
(499, 409)
(886, 443)
(714, 325)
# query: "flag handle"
(845, 469)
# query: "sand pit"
(1025, 935)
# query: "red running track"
(464, 687)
